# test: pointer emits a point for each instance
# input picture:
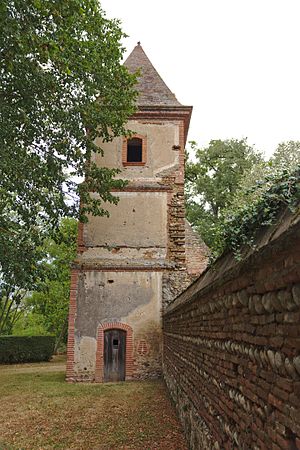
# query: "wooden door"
(114, 355)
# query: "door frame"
(114, 355)
(99, 372)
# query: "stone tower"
(134, 262)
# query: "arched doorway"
(114, 355)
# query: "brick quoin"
(71, 325)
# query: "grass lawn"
(39, 410)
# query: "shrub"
(20, 349)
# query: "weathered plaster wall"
(119, 254)
(232, 347)
(130, 265)
(139, 220)
(161, 136)
(133, 298)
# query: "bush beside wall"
(21, 349)
(232, 348)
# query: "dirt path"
(40, 411)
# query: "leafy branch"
(241, 224)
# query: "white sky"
(236, 61)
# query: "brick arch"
(100, 349)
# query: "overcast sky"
(236, 61)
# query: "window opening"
(115, 342)
(134, 150)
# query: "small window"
(135, 150)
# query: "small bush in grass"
(20, 349)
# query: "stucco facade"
(131, 264)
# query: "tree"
(47, 306)
(258, 206)
(286, 156)
(260, 177)
(213, 180)
(21, 270)
(62, 85)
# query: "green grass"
(39, 410)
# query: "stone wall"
(196, 252)
(232, 347)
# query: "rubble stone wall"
(196, 252)
(231, 356)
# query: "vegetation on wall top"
(265, 200)
(231, 191)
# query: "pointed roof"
(153, 91)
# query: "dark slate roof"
(152, 89)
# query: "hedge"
(20, 349)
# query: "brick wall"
(232, 347)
